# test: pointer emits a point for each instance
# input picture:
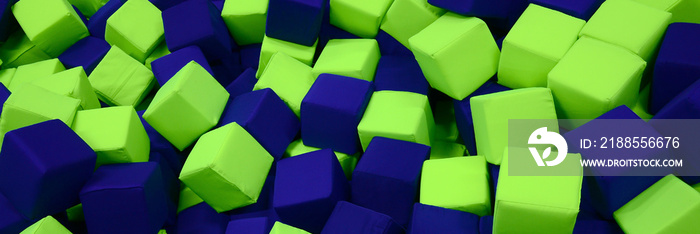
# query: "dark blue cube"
(596, 226)
(258, 225)
(296, 21)
(4, 95)
(400, 73)
(480, 8)
(582, 9)
(244, 83)
(388, 45)
(386, 179)
(432, 219)
(684, 106)
(197, 22)
(331, 111)
(11, 221)
(165, 4)
(486, 224)
(463, 114)
(307, 187)
(201, 218)
(250, 56)
(171, 185)
(227, 69)
(87, 52)
(98, 21)
(167, 66)
(162, 146)
(350, 218)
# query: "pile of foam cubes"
(332, 116)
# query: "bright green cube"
(120, 80)
(281, 228)
(51, 25)
(397, 115)
(192, 98)
(681, 10)
(227, 168)
(137, 28)
(628, 24)
(245, 20)
(405, 18)
(88, 7)
(71, 83)
(460, 183)
(160, 51)
(356, 58)
(668, 206)
(456, 53)
(289, 78)
(359, 17)
(536, 204)
(31, 104)
(347, 162)
(593, 78)
(539, 39)
(6, 76)
(19, 50)
(31, 72)
(114, 133)
(47, 225)
(271, 46)
(187, 198)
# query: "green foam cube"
(192, 98)
(137, 28)
(397, 115)
(187, 198)
(289, 78)
(629, 24)
(446, 149)
(460, 183)
(31, 104)
(88, 7)
(6, 76)
(227, 168)
(347, 162)
(52, 25)
(19, 50)
(537, 41)
(30, 72)
(120, 80)
(271, 46)
(160, 51)
(356, 58)
(536, 204)
(593, 78)
(492, 112)
(681, 10)
(668, 206)
(405, 18)
(456, 53)
(114, 133)
(359, 17)
(71, 83)
(281, 228)
(47, 225)
(245, 20)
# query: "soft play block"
(50, 157)
(457, 54)
(486, 224)
(110, 199)
(463, 114)
(356, 58)
(307, 187)
(668, 206)
(12, 221)
(387, 178)
(255, 225)
(432, 219)
(86, 53)
(584, 226)
(348, 162)
(80, 15)
(593, 78)
(167, 66)
(682, 10)
(197, 22)
(294, 20)
(165, 4)
(388, 45)
(161, 146)
(245, 20)
(628, 24)
(160, 51)
(480, 8)
(281, 228)
(400, 73)
(265, 116)
(250, 55)
(460, 183)
(193, 98)
(47, 225)
(120, 80)
(684, 106)
(289, 78)
(71, 83)
(271, 46)
(582, 9)
(537, 41)
(244, 83)
(677, 65)
(405, 18)
(492, 112)
(6, 76)
(201, 218)
(30, 72)
(398, 115)
(541, 204)
(227, 69)
(361, 18)
(227, 182)
(98, 22)
(19, 50)
(188, 199)
(88, 7)
(52, 25)
(350, 218)
(136, 27)
(331, 111)
(31, 104)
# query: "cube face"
(350, 218)
(356, 58)
(250, 225)
(46, 225)
(245, 20)
(361, 18)
(460, 183)
(243, 84)
(12, 221)
(479, 8)
(431, 219)
(71, 83)
(120, 80)
(136, 27)
(445, 46)
(271, 46)
(463, 114)
(167, 66)
(98, 22)
(25, 51)
(51, 25)
(400, 74)
(348, 162)
(538, 40)
(31, 104)
(682, 10)
(405, 18)
(277, 77)
(294, 20)
(580, 9)
(199, 23)
(30, 72)
(281, 228)
(683, 106)
(86, 53)
(201, 218)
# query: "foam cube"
(289, 78)
(670, 205)
(244, 83)
(596, 226)
(4, 95)
(249, 225)
(453, 38)
(30, 72)
(188, 199)
(71, 83)
(480, 8)
(281, 228)
(31, 104)
(228, 182)
(398, 115)
(6, 76)
(463, 114)
(295, 21)
(250, 55)
(460, 183)
(98, 21)
(201, 218)
(593, 78)
(582, 9)
(136, 27)
(197, 22)
(271, 46)
(400, 73)
(683, 106)
(433, 219)
(245, 20)
(405, 18)
(120, 80)
(167, 66)
(192, 97)
(86, 53)
(111, 199)
(387, 178)
(681, 10)
(19, 50)
(227, 69)
(52, 25)
(356, 58)
(494, 110)
(348, 162)
(361, 18)
(161, 146)
(12, 221)
(265, 116)
(350, 218)
(388, 45)
(538, 40)
(46, 225)
(628, 24)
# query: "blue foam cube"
(171, 185)
(264, 205)
(582, 9)
(388, 45)
(163, 5)
(684, 106)
(480, 8)
(350, 218)
(258, 225)
(167, 66)
(244, 83)
(98, 22)
(432, 219)
(463, 114)
(87, 52)
(162, 146)
(12, 221)
(486, 224)
(80, 15)
(227, 69)
(296, 21)
(4, 95)
(250, 56)
(596, 226)
(400, 73)
(197, 22)
(201, 218)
